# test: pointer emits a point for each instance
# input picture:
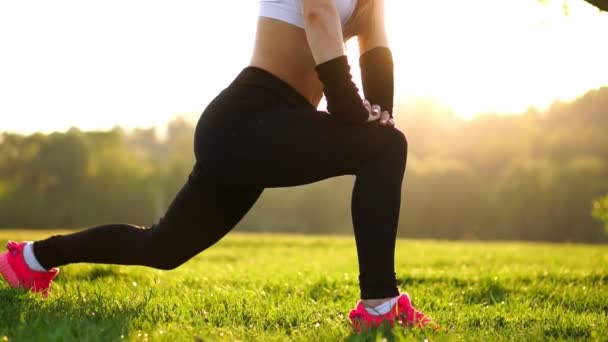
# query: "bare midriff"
(282, 49)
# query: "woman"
(264, 131)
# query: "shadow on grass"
(94, 274)
(384, 333)
(27, 317)
(372, 336)
(488, 292)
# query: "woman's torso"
(281, 46)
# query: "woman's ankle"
(372, 303)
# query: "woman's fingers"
(376, 110)
(386, 119)
(374, 113)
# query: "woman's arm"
(323, 29)
(376, 61)
(324, 35)
(372, 30)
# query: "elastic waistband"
(260, 78)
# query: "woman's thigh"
(281, 148)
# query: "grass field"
(277, 288)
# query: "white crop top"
(290, 11)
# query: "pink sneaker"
(403, 313)
(16, 272)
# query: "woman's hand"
(376, 114)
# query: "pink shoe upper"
(403, 313)
(16, 272)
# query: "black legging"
(260, 133)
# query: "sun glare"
(140, 63)
(478, 56)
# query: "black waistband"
(257, 77)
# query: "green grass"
(277, 288)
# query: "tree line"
(527, 177)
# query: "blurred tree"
(496, 176)
(600, 211)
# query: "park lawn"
(301, 288)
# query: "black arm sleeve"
(342, 95)
(377, 76)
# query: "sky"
(140, 63)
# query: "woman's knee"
(168, 264)
(400, 140)
(396, 144)
(160, 251)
